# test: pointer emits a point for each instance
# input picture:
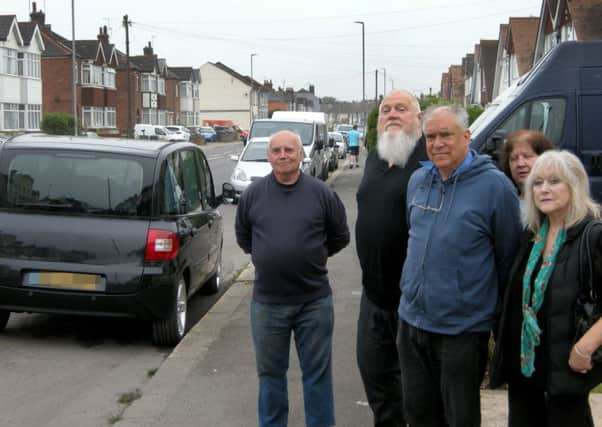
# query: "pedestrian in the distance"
(353, 143)
(291, 223)
(381, 236)
(464, 228)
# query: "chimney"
(103, 36)
(37, 17)
(148, 50)
(268, 84)
(312, 89)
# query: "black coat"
(556, 321)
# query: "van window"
(546, 115)
(76, 182)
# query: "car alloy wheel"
(213, 284)
(169, 331)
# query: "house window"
(161, 88)
(162, 117)
(149, 83)
(149, 116)
(28, 65)
(86, 73)
(98, 117)
(109, 77)
(169, 117)
(34, 114)
(185, 90)
(8, 60)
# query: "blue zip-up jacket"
(462, 239)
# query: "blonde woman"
(549, 376)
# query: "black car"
(107, 227)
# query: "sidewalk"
(209, 379)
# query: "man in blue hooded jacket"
(464, 227)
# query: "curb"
(174, 371)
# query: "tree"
(371, 133)
(57, 124)
(474, 111)
(430, 100)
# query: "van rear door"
(590, 126)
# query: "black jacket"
(381, 231)
(556, 318)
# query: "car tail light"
(161, 245)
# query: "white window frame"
(8, 61)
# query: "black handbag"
(587, 308)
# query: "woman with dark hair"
(549, 372)
(518, 154)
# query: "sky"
(297, 43)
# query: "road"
(72, 370)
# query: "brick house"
(153, 91)
(518, 52)
(565, 20)
(188, 80)
(499, 63)
(445, 86)
(21, 47)
(455, 90)
(484, 72)
(467, 69)
(96, 86)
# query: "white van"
(155, 132)
(310, 126)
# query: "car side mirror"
(228, 193)
(494, 143)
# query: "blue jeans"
(312, 324)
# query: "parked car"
(179, 130)
(208, 133)
(123, 228)
(251, 165)
(225, 133)
(155, 133)
(339, 142)
(242, 134)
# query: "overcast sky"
(297, 42)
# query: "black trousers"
(378, 363)
(531, 406)
(441, 377)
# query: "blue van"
(562, 97)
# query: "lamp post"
(73, 70)
(384, 82)
(363, 67)
(251, 115)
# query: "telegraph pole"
(126, 24)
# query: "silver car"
(252, 165)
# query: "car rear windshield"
(256, 151)
(268, 128)
(89, 183)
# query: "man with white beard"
(381, 238)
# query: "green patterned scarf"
(530, 331)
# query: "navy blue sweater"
(290, 231)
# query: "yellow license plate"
(68, 281)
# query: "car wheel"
(4, 315)
(169, 331)
(212, 286)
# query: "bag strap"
(587, 287)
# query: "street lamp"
(384, 82)
(251, 116)
(363, 65)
